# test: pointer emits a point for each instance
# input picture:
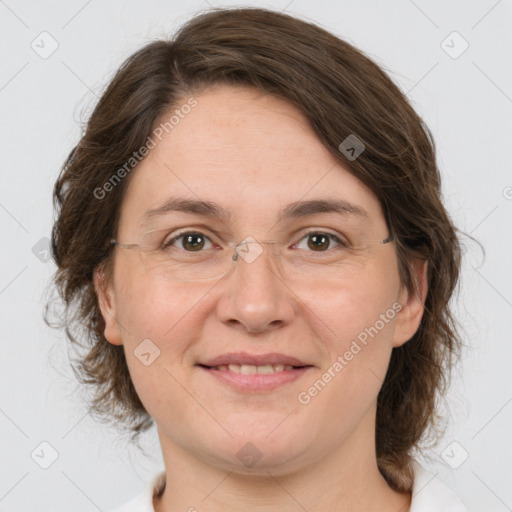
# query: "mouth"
(248, 369)
(255, 378)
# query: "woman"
(250, 235)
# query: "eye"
(320, 241)
(191, 241)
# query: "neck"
(346, 479)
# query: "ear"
(107, 302)
(408, 319)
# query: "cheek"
(152, 308)
(347, 386)
(346, 308)
(158, 329)
(357, 321)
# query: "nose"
(255, 297)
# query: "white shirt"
(429, 494)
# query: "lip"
(256, 382)
(253, 359)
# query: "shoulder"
(144, 501)
(429, 493)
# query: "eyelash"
(170, 242)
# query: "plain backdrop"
(56, 58)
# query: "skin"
(253, 153)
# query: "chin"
(258, 453)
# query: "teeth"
(268, 368)
(247, 369)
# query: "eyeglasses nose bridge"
(249, 240)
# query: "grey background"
(466, 101)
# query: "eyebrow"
(291, 210)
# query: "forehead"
(251, 152)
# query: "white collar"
(429, 493)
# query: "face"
(253, 154)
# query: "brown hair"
(341, 92)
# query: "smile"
(254, 379)
(247, 369)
